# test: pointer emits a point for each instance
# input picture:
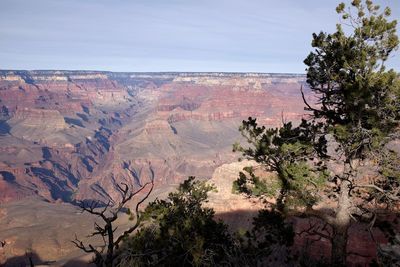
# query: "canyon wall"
(73, 135)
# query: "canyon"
(69, 136)
(74, 135)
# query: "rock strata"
(68, 135)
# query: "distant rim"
(53, 71)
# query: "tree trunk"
(110, 247)
(339, 246)
(341, 226)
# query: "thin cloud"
(159, 35)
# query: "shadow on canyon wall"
(362, 242)
(29, 259)
(361, 245)
(32, 259)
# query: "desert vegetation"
(335, 168)
(105, 155)
(181, 231)
(337, 165)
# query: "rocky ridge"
(68, 135)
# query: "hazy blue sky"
(164, 35)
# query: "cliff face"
(75, 134)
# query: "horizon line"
(148, 72)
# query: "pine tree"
(357, 114)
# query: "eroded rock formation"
(71, 135)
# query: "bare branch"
(79, 244)
(137, 223)
(308, 108)
(315, 229)
(94, 205)
(109, 214)
(381, 190)
(127, 197)
(309, 212)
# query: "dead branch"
(137, 223)
(315, 229)
(385, 193)
(109, 214)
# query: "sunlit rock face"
(67, 135)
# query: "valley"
(73, 135)
(70, 136)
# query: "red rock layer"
(68, 135)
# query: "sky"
(271, 36)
